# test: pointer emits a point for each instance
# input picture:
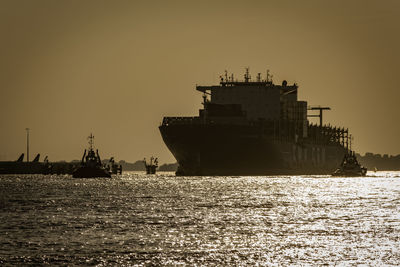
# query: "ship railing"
(180, 120)
(198, 120)
(328, 134)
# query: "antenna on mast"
(91, 141)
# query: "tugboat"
(350, 166)
(91, 164)
(113, 167)
(152, 166)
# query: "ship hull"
(90, 172)
(203, 149)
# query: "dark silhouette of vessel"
(350, 167)
(253, 127)
(113, 167)
(91, 165)
(152, 166)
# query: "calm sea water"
(137, 219)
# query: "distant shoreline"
(370, 160)
(381, 163)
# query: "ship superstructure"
(253, 127)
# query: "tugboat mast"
(91, 141)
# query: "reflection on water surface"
(163, 219)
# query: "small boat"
(113, 167)
(151, 166)
(350, 166)
(91, 164)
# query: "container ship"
(254, 127)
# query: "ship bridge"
(260, 99)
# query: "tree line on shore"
(381, 163)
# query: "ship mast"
(91, 141)
(320, 112)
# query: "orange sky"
(115, 68)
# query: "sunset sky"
(115, 68)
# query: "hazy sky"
(115, 68)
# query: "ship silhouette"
(91, 165)
(350, 166)
(253, 127)
(151, 166)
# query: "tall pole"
(27, 144)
